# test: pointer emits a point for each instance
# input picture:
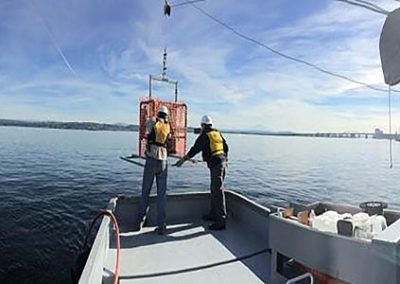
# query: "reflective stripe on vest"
(162, 131)
(216, 143)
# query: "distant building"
(378, 134)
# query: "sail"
(389, 46)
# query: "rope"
(116, 229)
(164, 37)
(390, 126)
(202, 267)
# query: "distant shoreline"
(91, 126)
(94, 126)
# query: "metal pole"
(390, 127)
(132, 162)
(176, 91)
(150, 86)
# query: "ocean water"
(53, 181)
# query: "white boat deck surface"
(150, 258)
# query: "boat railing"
(93, 271)
(301, 277)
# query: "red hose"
(116, 228)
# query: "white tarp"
(389, 46)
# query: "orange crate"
(177, 119)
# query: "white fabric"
(389, 46)
(157, 152)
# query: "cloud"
(113, 48)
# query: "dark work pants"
(218, 207)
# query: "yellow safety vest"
(162, 130)
(216, 143)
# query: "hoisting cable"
(390, 126)
(197, 268)
(284, 55)
(164, 69)
(366, 5)
(371, 4)
(109, 214)
(186, 3)
(167, 13)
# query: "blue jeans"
(159, 169)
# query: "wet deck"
(188, 254)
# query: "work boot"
(136, 227)
(139, 224)
(161, 230)
(209, 217)
(216, 227)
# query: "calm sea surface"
(53, 181)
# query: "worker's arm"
(151, 137)
(169, 145)
(198, 146)
(226, 147)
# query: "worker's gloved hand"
(180, 162)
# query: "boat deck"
(189, 252)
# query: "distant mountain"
(257, 132)
(70, 125)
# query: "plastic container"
(378, 224)
(362, 226)
(360, 219)
(326, 222)
(359, 225)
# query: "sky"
(73, 60)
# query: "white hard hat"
(206, 120)
(164, 109)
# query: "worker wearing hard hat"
(215, 152)
(156, 166)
